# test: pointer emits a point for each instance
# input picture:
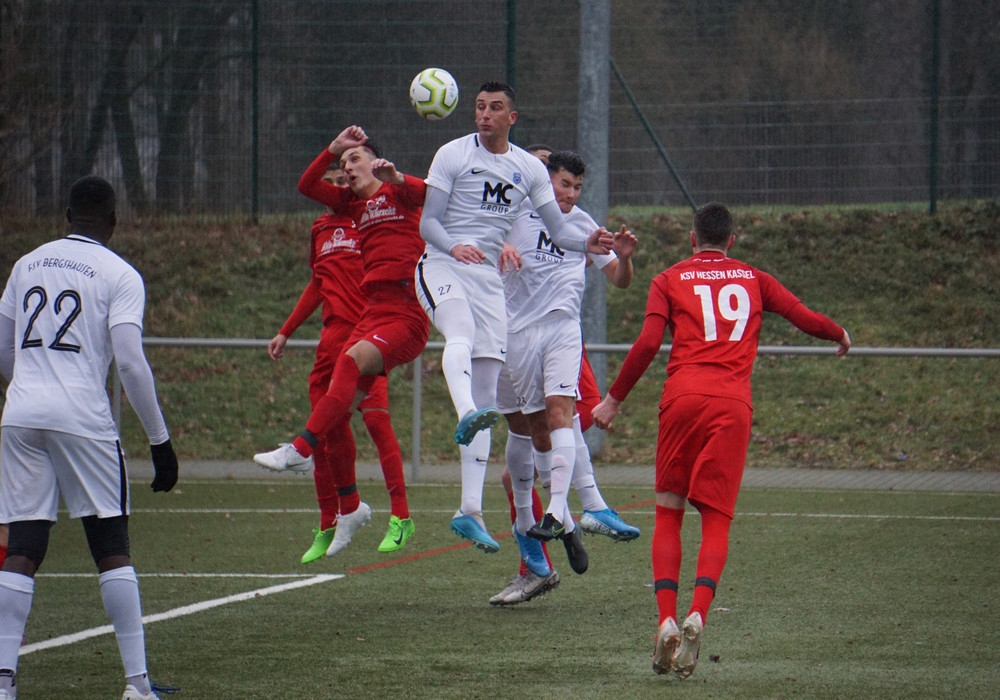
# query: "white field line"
(178, 612)
(874, 516)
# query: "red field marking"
(454, 547)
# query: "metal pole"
(592, 136)
(255, 112)
(935, 98)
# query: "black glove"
(164, 465)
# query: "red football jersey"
(389, 221)
(337, 270)
(713, 306)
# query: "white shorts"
(38, 466)
(506, 397)
(544, 360)
(440, 279)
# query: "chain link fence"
(216, 107)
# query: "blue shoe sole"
(471, 424)
(467, 528)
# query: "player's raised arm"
(433, 231)
(386, 171)
(566, 237)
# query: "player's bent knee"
(107, 537)
(29, 539)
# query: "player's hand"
(469, 254)
(510, 259)
(386, 172)
(276, 346)
(845, 345)
(624, 243)
(600, 242)
(350, 137)
(604, 412)
(164, 466)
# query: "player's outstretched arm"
(570, 238)
(386, 172)
(276, 346)
(433, 231)
(137, 380)
(844, 343)
(604, 412)
(619, 272)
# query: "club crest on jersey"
(376, 203)
(339, 240)
(377, 209)
(517, 178)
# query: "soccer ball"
(434, 93)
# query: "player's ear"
(732, 239)
(694, 238)
(69, 215)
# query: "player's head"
(566, 170)
(334, 175)
(357, 166)
(91, 208)
(496, 111)
(713, 227)
(540, 151)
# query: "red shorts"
(332, 342)
(394, 322)
(590, 395)
(701, 449)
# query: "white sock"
(16, 593)
(456, 364)
(583, 473)
(543, 465)
(120, 593)
(475, 457)
(563, 456)
(521, 467)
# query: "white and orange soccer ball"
(434, 93)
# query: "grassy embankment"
(892, 276)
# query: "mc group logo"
(496, 198)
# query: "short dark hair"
(570, 161)
(713, 224)
(500, 86)
(92, 196)
(539, 147)
(373, 147)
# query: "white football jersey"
(486, 192)
(65, 297)
(550, 278)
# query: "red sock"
(3, 553)
(666, 550)
(389, 456)
(326, 488)
(335, 406)
(349, 499)
(711, 557)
